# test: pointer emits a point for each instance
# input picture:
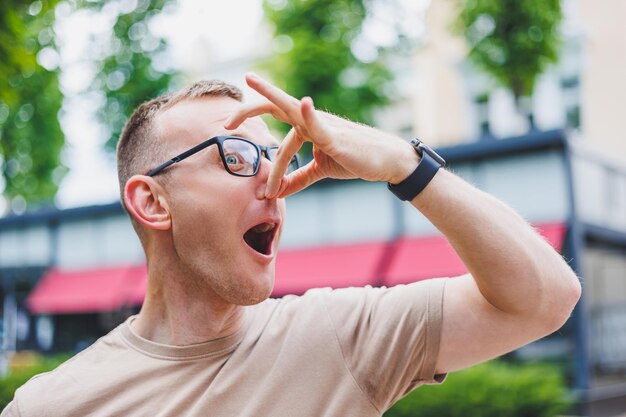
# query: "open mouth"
(260, 237)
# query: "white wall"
(600, 192)
(99, 242)
(603, 88)
(28, 246)
(356, 211)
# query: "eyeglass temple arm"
(180, 157)
(162, 167)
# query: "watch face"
(418, 145)
(421, 147)
(415, 142)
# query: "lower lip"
(266, 259)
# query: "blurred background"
(525, 99)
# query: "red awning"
(405, 260)
(107, 289)
(420, 258)
(554, 233)
(330, 266)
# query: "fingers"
(274, 94)
(314, 125)
(300, 179)
(287, 107)
(250, 110)
(288, 148)
(280, 104)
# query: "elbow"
(572, 292)
(565, 298)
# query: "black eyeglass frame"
(219, 140)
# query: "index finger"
(288, 104)
(245, 111)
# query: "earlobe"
(145, 201)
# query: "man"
(208, 341)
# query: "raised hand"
(341, 149)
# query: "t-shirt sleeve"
(10, 410)
(389, 337)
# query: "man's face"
(219, 221)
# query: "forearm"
(516, 270)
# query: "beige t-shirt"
(347, 352)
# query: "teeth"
(264, 227)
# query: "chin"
(256, 300)
(251, 293)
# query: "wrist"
(426, 169)
(405, 165)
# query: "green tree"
(126, 75)
(512, 41)
(314, 56)
(31, 139)
(30, 134)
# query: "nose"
(262, 176)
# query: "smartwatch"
(428, 166)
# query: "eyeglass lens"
(242, 157)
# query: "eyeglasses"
(240, 156)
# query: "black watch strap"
(428, 166)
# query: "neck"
(181, 314)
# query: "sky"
(200, 33)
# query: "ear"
(146, 202)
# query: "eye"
(234, 161)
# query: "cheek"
(202, 224)
(203, 221)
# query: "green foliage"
(30, 134)
(494, 389)
(31, 139)
(512, 41)
(126, 75)
(313, 39)
(16, 379)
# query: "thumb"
(299, 179)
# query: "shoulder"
(348, 307)
(401, 299)
(290, 308)
(53, 391)
(292, 318)
(352, 300)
